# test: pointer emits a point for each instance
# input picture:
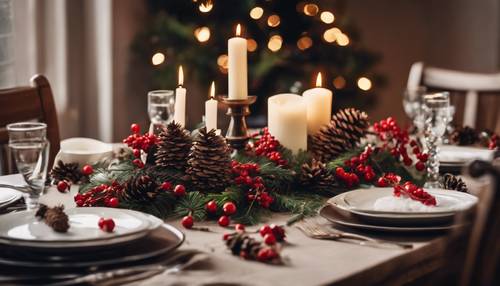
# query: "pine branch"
(306, 205)
(339, 161)
(192, 203)
(162, 206)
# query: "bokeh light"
(327, 17)
(330, 35)
(251, 45)
(339, 82)
(206, 7)
(273, 21)
(256, 13)
(304, 43)
(158, 59)
(202, 34)
(275, 43)
(342, 40)
(311, 9)
(364, 83)
(222, 63)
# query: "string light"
(342, 40)
(251, 45)
(158, 59)
(275, 43)
(364, 83)
(311, 9)
(202, 34)
(327, 17)
(339, 82)
(206, 7)
(273, 21)
(304, 43)
(256, 13)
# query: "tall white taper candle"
(237, 66)
(180, 101)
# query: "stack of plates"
(356, 209)
(8, 197)
(27, 243)
(453, 158)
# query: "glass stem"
(433, 163)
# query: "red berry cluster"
(139, 142)
(415, 193)
(350, 179)
(493, 142)
(100, 196)
(211, 207)
(359, 169)
(268, 146)
(106, 224)
(396, 140)
(247, 175)
(388, 179)
(272, 233)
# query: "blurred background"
(103, 56)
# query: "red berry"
(420, 166)
(265, 229)
(113, 202)
(179, 190)
(62, 186)
(101, 222)
(211, 207)
(229, 208)
(262, 255)
(187, 222)
(166, 186)
(87, 170)
(135, 128)
(269, 239)
(407, 161)
(226, 236)
(381, 182)
(138, 163)
(223, 221)
(239, 227)
(137, 153)
(107, 225)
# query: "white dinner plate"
(24, 229)
(452, 154)
(8, 195)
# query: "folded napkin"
(463, 154)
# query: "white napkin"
(461, 154)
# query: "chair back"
(28, 103)
(464, 83)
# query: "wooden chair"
(27, 103)
(464, 83)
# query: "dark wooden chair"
(27, 103)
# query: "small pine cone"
(243, 245)
(316, 176)
(66, 172)
(141, 188)
(209, 162)
(54, 217)
(465, 136)
(451, 182)
(344, 132)
(173, 147)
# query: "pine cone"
(209, 162)
(451, 182)
(141, 188)
(465, 136)
(343, 133)
(69, 172)
(54, 217)
(316, 176)
(243, 245)
(173, 147)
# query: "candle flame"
(212, 90)
(238, 30)
(318, 80)
(181, 76)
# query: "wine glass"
(412, 104)
(436, 110)
(160, 109)
(30, 148)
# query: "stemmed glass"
(436, 109)
(30, 148)
(412, 104)
(160, 109)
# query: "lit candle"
(180, 101)
(237, 66)
(211, 110)
(287, 120)
(319, 106)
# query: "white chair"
(470, 84)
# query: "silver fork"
(314, 230)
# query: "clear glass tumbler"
(160, 108)
(30, 149)
(436, 110)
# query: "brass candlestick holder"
(237, 133)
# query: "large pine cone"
(343, 133)
(173, 147)
(451, 182)
(465, 136)
(316, 176)
(209, 162)
(66, 172)
(141, 188)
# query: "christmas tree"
(289, 41)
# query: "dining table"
(306, 261)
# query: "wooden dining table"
(307, 261)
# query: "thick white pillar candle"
(180, 101)
(319, 106)
(287, 120)
(237, 66)
(211, 110)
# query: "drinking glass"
(436, 110)
(160, 108)
(412, 104)
(30, 149)
(449, 126)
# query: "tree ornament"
(316, 176)
(66, 172)
(343, 133)
(209, 162)
(54, 217)
(141, 188)
(174, 145)
(465, 136)
(451, 182)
